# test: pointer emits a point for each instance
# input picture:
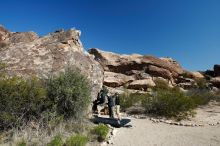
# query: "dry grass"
(38, 134)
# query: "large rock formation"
(138, 72)
(217, 70)
(135, 71)
(112, 79)
(142, 85)
(215, 81)
(26, 54)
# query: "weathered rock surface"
(194, 75)
(135, 70)
(142, 85)
(112, 79)
(26, 54)
(216, 81)
(159, 72)
(124, 63)
(4, 33)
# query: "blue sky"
(186, 30)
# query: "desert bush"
(201, 96)
(217, 96)
(201, 84)
(66, 95)
(161, 85)
(69, 93)
(169, 103)
(56, 141)
(77, 140)
(20, 100)
(21, 143)
(128, 100)
(101, 131)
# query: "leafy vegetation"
(201, 84)
(77, 140)
(128, 100)
(69, 94)
(161, 85)
(20, 100)
(101, 131)
(66, 95)
(56, 141)
(170, 102)
(22, 143)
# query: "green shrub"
(217, 96)
(201, 96)
(69, 93)
(201, 84)
(20, 100)
(161, 85)
(22, 143)
(56, 141)
(77, 140)
(66, 95)
(128, 100)
(169, 103)
(101, 131)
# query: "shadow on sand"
(112, 122)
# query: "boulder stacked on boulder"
(139, 72)
(136, 71)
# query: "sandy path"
(146, 133)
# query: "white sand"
(146, 133)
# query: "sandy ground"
(146, 133)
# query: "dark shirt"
(101, 97)
(111, 101)
(117, 100)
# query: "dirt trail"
(146, 133)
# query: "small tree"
(69, 93)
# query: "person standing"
(117, 105)
(101, 100)
(111, 104)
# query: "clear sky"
(186, 30)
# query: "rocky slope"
(139, 72)
(27, 54)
